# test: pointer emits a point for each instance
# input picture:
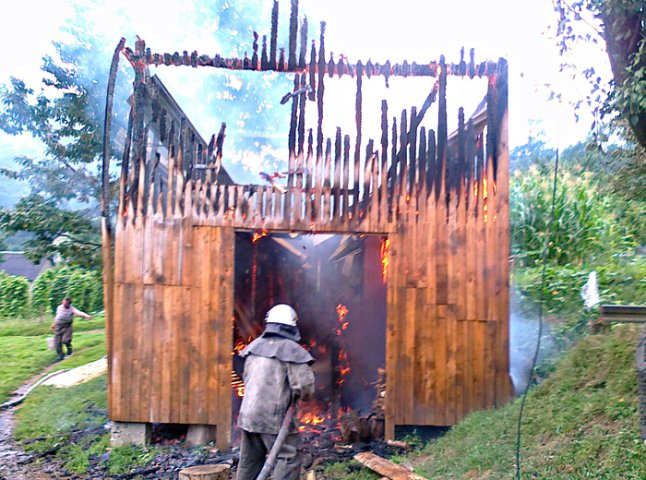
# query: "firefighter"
(277, 372)
(62, 326)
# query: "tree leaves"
(57, 232)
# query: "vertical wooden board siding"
(157, 308)
(392, 348)
(504, 388)
(115, 336)
(223, 316)
(146, 333)
(164, 340)
(198, 399)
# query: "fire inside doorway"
(337, 284)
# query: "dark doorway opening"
(337, 285)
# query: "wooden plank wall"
(171, 329)
(448, 299)
(441, 199)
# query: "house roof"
(16, 263)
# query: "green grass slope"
(582, 422)
(24, 352)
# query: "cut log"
(398, 444)
(385, 467)
(206, 472)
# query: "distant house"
(16, 263)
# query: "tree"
(66, 115)
(73, 235)
(623, 28)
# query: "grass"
(24, 352)
(582, 422)
(55, 416)
(30, 327)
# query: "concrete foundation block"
(200, 434)
(128, 433)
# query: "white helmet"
(282, 314)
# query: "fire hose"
(278, 443)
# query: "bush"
(585, 223)
(622, 280)
(84, 286)
(14, 295)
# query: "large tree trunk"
(623, 31)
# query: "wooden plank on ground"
(385, 467)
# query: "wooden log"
(293, 34)
(320, 92)
(383, 187)
(336, 185)
(264, 60)
(357, 146)
(327, 166)
(206, 472)
(385, 467)
(346, 176)
(254, 56)
(303, 45)
(308, 180)
(273, 39)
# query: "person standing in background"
(62, 326)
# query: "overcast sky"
(420, 31)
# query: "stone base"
(200, 434)
(127, 433)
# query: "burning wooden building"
(394, 250)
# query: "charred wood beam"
(320, 92)
(293, 35)
(273, 39)
(343, 67)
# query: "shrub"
(14, 295)
(584, 223)
(84, 286)
(622, 280)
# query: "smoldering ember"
(393, 251)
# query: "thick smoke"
(523, 338)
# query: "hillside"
(582, 422)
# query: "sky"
(519, 30)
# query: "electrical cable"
(540, 315)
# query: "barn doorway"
(337, 284)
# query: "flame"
(231, 212)
(258, 234)
(344, 366)
(237, 384)
(312, 415)
(342, 312)
(241, 344)
(384, 251)
(311, 418)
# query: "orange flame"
(385, 259)
(342, 312)
(258, 234)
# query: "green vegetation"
(73, 419)
(24, 352)
(14, 295)
(84, 286)
(17, 299)
(582, 422)
(595, 228)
